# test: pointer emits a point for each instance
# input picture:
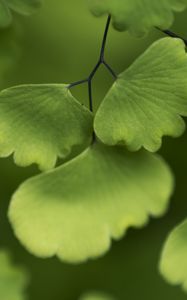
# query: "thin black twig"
(102, 53)
(90, 94)
(101, 61)
(78, 83)
(110, 69)
(92, 74)
(91, 104)
(173, 35)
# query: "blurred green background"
(61, 43)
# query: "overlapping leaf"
(40, 123)
(13, 280)
(96, 296)
(138, 16)
(173, 265)
(147, 100)
(75, 210)
(24, 7)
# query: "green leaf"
(96, 296)
(23, 7)
(146, 101)
(13, 280)
(75, 210)
(40, 123)
(138, 16)
(173, 264)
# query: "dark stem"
(78, 83)
(173, 35)
(92, 74)
(91, 104)
(100, 61)
(102, 53)
(110, 69)
(90, 94)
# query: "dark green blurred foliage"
(61, 44)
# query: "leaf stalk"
(101, 61)
(173, 35)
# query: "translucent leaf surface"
(146, 101)
(139, 16)
(173, 265)
(40, 123)
(96, 296)
(24, 7)
(75, 210)
(13, 280)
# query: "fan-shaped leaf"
(173, 265)
(147, 99)
(13, 280)
(24, 7)
(40, 123)
(138, 16)
(75, 210)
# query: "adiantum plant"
(73, 211)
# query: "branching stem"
(102, 53)
(173, 35)
(101, 61)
